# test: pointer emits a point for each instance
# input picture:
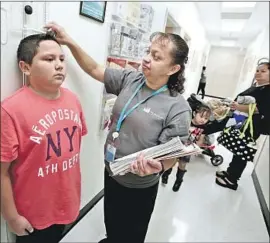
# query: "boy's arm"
(8, 208)
(9, 152)
(17, 223)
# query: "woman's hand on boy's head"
(60, 33)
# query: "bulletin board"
(128, 40)
(129, 34)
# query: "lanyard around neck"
(124, 114)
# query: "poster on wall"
(93, 10)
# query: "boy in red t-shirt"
(42, 125)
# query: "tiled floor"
(200, 212)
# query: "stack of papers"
(170, 150)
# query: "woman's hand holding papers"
(144, 167)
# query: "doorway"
(172, 26)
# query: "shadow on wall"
(87, 89)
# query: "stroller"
(208, 150)
(208, 145)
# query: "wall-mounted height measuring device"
(27, 11)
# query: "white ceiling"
(231, 23)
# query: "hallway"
(200, 212)
(222, 46)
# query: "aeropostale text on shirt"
(50, 119)
(61, 166)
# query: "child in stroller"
(221, 114)
(201, 113)
(219, 111)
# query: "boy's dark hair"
(203, 68)
(28, 47)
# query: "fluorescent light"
(238, 4)
(234, 25)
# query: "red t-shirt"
(44, 138)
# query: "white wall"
(11, 78)
(257, 49)
(223, 70)
(186, 14)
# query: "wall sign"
(93, 10)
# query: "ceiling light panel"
(224, 38)
(233, 15)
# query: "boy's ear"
(25, 68)
(194, 113)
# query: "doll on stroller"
(208, 139)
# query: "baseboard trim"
(216, 97)
(262, 201)
(84, 211)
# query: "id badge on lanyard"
(111, 148)
(110, 153)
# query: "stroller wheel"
(217, 160)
